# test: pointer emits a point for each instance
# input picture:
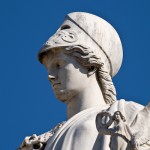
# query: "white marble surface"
(81, 59)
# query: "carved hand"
(134, 143)
(32, 142)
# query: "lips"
(55, 84)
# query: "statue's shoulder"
(39, 142)
(126, 105)
(128, 108)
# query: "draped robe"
(80, 132)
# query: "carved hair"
(88, 58)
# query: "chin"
(64, 95)
(61, 97)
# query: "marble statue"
(120, 133)
(81, 59)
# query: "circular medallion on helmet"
(69, 36)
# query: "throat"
(84, 101)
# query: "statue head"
(94, 43)
(118, 116)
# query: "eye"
(58, 65)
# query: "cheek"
(73, 78)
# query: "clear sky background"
(27, 102)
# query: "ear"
(91, 71)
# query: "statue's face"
(67, 77)
(117, 116)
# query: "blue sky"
(27, 103)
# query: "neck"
(90, 97)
